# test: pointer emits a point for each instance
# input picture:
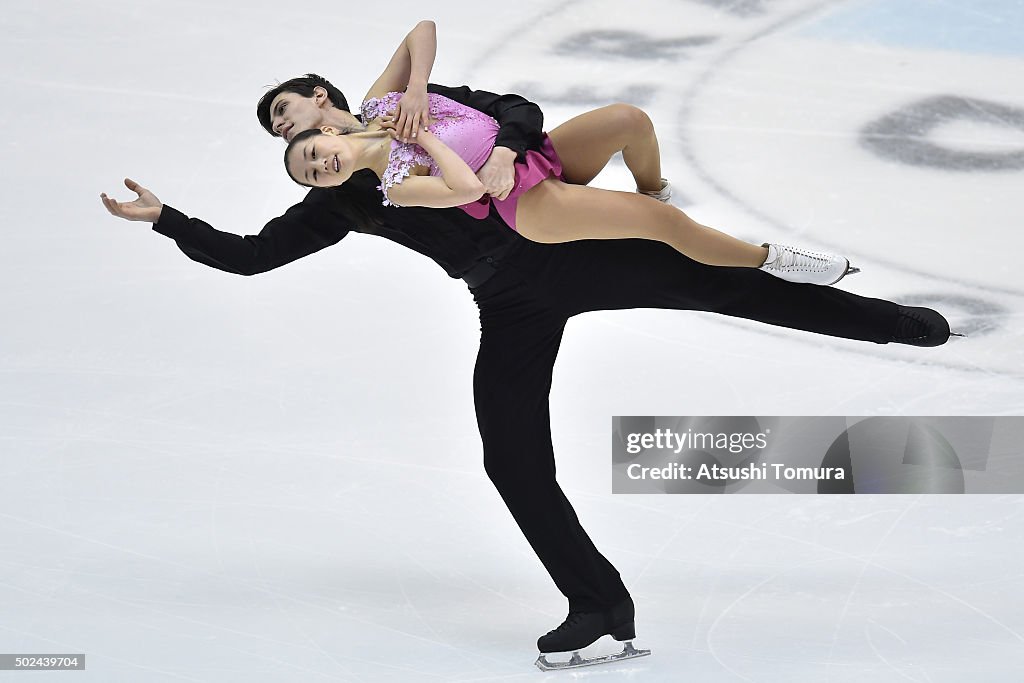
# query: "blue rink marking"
(993, 27)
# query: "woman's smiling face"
(322, 160)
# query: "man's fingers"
(110, 204)
(398, 119)
(134, 186)
(113, 206)
(106, 203)
(497, 185)
(405, 125)
(504, 190)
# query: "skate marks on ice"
(872, 632)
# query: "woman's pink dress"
(471, 135)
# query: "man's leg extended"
(511, 383)
(617, 274)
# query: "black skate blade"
(958, 334)
(850, 270)
(575, 662)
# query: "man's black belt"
(481, 272)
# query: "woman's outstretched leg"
(554, 211)
(587, 142)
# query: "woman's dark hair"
(300, 86)
(299, 137)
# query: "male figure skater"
(526, 292)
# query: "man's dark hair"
(301, 86)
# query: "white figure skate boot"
(662, 195)
(801, 265)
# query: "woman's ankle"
(649, 187)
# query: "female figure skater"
(550, 201)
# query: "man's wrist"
(503, 153)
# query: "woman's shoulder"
(372, 107)
(405, 159)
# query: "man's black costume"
(526, 292)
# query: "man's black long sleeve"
(305, 228)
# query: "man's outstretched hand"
(146, 208)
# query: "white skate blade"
(575, 662)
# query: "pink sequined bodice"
(468, 132)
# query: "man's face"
(291, 113)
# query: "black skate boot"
(921, 327)
(580, 629)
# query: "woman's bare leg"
(587, 142)
(554, 211)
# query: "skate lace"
(570, 621)
(799, 259)
(910, 326)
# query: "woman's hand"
(412, 113)
(391, 124)
(146, 208)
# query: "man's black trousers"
(523, 311)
